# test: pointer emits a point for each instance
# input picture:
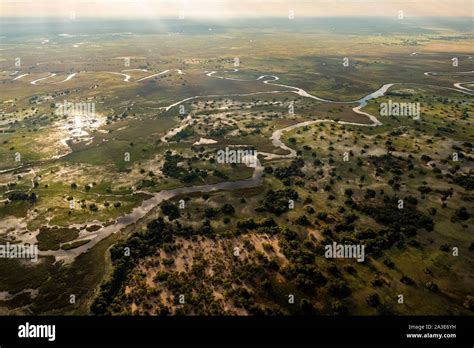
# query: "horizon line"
(230, 17)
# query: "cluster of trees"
(193, 285)
(461, 214)
(22, 196)
(337, 288)
(170, 209)
(227, 209)
(389, 163)
(375, 242)
(285, 174)
(263, 226)
(466, 181)
(407, 220)
(278, 202)
(301, 268)
(221, 131)
(170, 168)
(183, 134)
(140, 244)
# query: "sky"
(223, 9)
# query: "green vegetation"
(403, 189)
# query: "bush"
(228, 209)
(306, 307)
(170, 209)
(432, 286)
(373, 300)
(444, 247)
(339, 308)
(339, 289)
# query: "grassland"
(59, 189)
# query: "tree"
(268, 170)
(432, 286)
(306, 307)
(170, 210)
(339, 308)
(373, 300)
(211, 212)
(228, 209)
(469, 303)
(33, 198)
(302, 221)
(461, 214)
(339, 289)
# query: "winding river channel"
(256, 179)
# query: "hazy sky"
(232, 8)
